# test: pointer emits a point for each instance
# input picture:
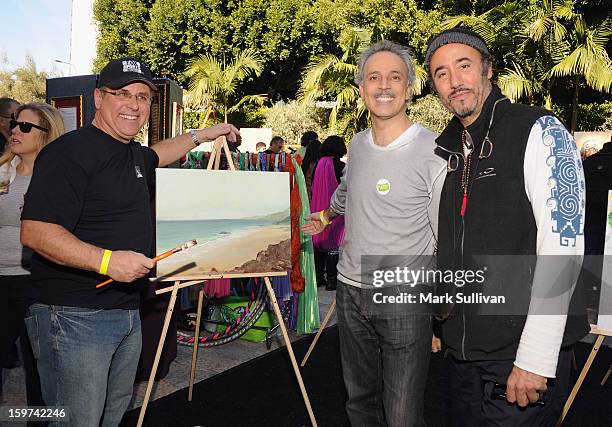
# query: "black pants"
(13, 307)
(471, 384)
(326, 268)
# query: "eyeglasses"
(125, 96)
(25, 127)
(6, 117)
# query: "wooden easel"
(215, 157)
(601, 334)
(328, 316)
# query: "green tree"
(122, 29)
(286, 34)
(429, 112)
(214, 84)
(291, 120)
(25, 83)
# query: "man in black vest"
(511, 211)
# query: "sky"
(42, 28)
(194, 194)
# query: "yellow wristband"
(322, 217)
(105, 260)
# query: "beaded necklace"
(465, 175)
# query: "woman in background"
(326, 178)
(35, 125)
(309, 162)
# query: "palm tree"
(586, 59)
(331, 77)
(213, 84)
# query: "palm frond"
(317, 68)
(420, 78)
(248, 99)
(514, 84)
(242, 66)
(213, 82)
(487, 31)
(347, 97)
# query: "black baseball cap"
(123, 71)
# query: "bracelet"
(105, 260)
(194, 138)
(322, 217)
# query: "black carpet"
(264, 392)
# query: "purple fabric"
(282, 287)
(323, 186)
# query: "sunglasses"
(26, 127)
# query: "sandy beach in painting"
(263, 249)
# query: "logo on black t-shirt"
(138, 173)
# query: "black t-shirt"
(98, 189)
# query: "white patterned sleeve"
(554, 183)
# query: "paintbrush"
(159, 257)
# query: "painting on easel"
(241, 221)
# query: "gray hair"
(386, 46)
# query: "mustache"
(458, 91)
(384, 93)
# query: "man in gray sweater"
(389, 196)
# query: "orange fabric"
(297, 280)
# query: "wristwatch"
(194, 138)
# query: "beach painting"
(241, 221)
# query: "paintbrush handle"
(165, 254)
(157, 258)
(106, 282)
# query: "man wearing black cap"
(512, 206)
(87, 216)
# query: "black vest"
(498, 230)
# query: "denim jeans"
(385, 357)
(87, 360)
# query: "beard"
(466, 107)
(472, 104)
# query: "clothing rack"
(268, 162)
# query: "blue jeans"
(385, 357)
(87, 360)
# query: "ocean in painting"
(236, 247)
(171, 234)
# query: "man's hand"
(313, 224)
(210, 134)
(127, 266)
(436, 344)
(523, 386)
